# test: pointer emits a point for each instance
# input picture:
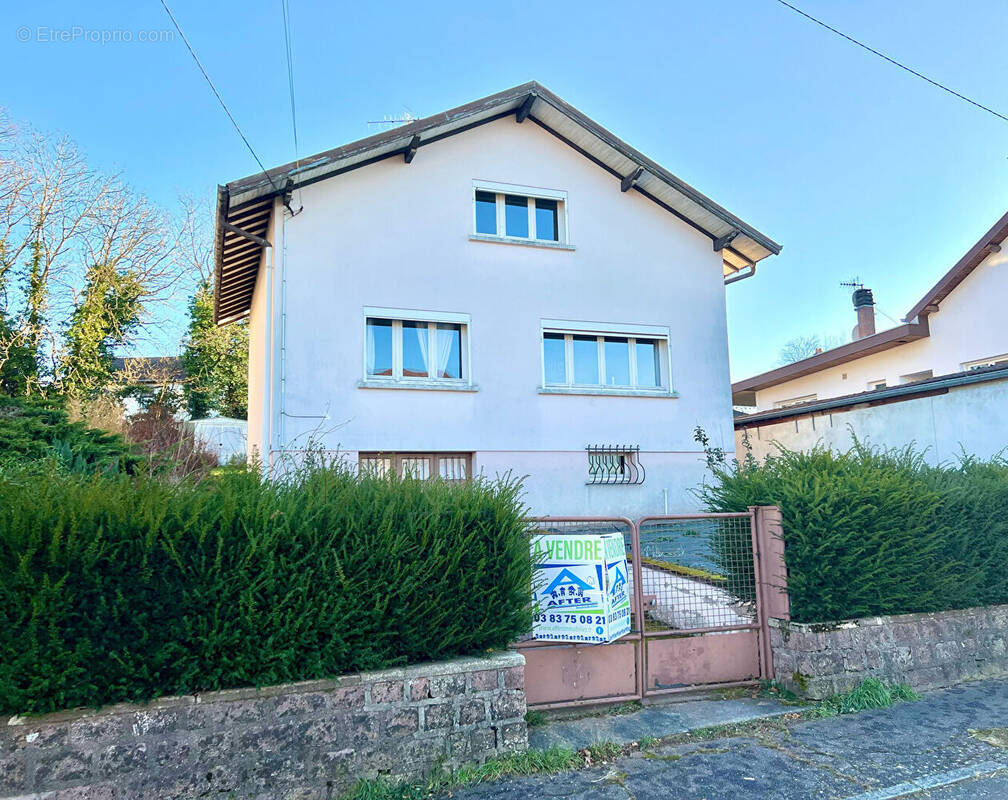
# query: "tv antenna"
(854, 283)
(393, 121)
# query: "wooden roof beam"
(525, 108)
(251, 236)
(721, 242)
(631, 180)
(411, 149)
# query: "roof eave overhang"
(876, 397)
(876, 343)
(741, 246)
(989, 243)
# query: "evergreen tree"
(215, 361)
(108, 312)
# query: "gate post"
(773, 571)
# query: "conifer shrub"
(876, 532)
(117, 588)
(39, 429)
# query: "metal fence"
(698, 610)
(698, 573)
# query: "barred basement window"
(421, 466)
(614, 464)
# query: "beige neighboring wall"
(970, 324)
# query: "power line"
(217, 95)
(894, 62)
(285, 10)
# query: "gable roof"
(915, 322)
(244, 207)
(989, 243)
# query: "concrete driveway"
(933, 748)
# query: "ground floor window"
(422, 466)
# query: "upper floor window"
(993, 361)
(430, 346)
(795, 401)
(519, 213)
(628, 358)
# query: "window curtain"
(423, 337)
(445, 339)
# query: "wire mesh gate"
(697, 614)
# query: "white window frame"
(873, 385)
(601, 331)
(984, 362)
(397, 316)
(794, 401)
(531, 194)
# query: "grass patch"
(870, 693)
(777, 690)
(535, 719)
(686, 572)
(531, 762)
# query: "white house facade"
(939, 380)
(473, 294)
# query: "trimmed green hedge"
(872, 532)
(121, 589)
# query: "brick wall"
(927, 651)
(306, 741)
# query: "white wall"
(970, 418)
(971, 324)
(397, 235)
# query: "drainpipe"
(267, 395)
(283, 333)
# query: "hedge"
(873, 532)
(33, 429)
(121, 589)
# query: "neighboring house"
(504, 287)
(157, 377)
(945, 367)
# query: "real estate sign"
(580, 588)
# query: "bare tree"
(64, 225)
(802, 347)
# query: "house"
(149, 378)
(505, 287)
(938, 379)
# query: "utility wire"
(217, 95)
(894, 62)
(285, 10)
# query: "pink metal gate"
(702, 587)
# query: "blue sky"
(856, 167)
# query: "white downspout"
(267, 394)
(283, 332)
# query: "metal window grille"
(614, 464)
(419, 466)
(453, 468)
(697, 573)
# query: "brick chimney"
(864, 305)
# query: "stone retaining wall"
(927, 651)
(305, 741)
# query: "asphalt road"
(932, 748)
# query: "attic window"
(519, 213)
